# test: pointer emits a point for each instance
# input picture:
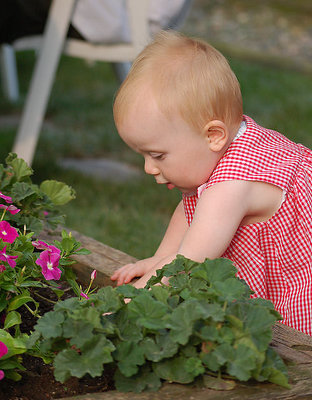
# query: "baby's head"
(184, 75)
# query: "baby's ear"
(217, 135)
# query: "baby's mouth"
(170, 186)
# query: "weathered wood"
(300, 380)
(292, 345)
(295, 347)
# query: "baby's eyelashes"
(156, 155)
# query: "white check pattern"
(273, 257)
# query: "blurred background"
(269, 46)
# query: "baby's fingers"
(119, 271)
(125, 274)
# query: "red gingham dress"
(274, 257)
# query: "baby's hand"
(126, 273)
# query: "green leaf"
(20, 167)
(223, 353)
(50, 325)
(82, 252)
(217, 270)
(58, 192)
(80, 332)
(174, 370)
(67, 244)
(128, 291)
(11, 363)
(211, 382)
(13, 375)
(129, 356)
(15, 345)
(145, 379)
(210, 333)
(148, 312)
(70, 363)
(127, 329)
(87, 314)
(160, 293)
(231, 289)
(179, 281)
(242, 362)
(162, 347)
(32, 223)
(3, 300)
(273, 370)
(194, 366)
(182, 319)
(21, 190)
(211, 361)
(257, 322)
(12, 318)
(107, 300)
(20, 300)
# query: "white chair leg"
(42, 79)
(9, 73)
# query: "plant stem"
(3, 214)
(30, 310)
(44, 298)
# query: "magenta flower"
(49, 262)
(84, 295)
(40, 245)
(3, 352)
(6, 257)
(7, 199)
(12, 209)
(3, 349)
(2, 268)
(7, 233)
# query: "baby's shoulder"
(259, 200)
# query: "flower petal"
(7, 233)
(3, 349)
(8, 199)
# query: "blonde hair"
(186, 75)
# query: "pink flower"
(93, 275)
(40, 245)
(7, 199)
(49, 262)
(6, 257)
(7, 233)
(3, 349)
(3, 352)
(2, 268)
(12, 209)
(84, 295)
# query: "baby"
(246, 190)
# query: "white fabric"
(106, 21)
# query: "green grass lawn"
(132, 216)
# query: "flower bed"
(201, 328)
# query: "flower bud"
(93, 275)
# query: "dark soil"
(38, 382)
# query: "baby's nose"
(150, 167)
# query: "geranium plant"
(28, 264)
(202, 327)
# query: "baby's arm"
(169, 245)
(218, 215)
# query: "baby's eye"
(157, 156)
